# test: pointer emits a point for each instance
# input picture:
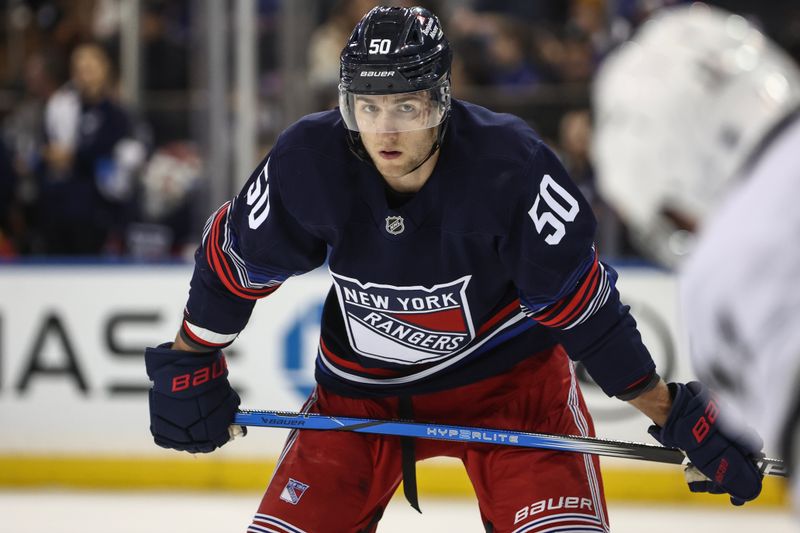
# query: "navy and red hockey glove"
(191, 402)
(727, 462)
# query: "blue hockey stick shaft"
(546, 441)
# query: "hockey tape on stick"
(545, 441)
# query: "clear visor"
(391, 113)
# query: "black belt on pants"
(408, 458)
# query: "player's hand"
(726, 462)
(191, 402)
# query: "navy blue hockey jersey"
(489, 263)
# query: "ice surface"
(37, 511)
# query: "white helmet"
(679, 109)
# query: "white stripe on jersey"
(410, 378)
(211, 337)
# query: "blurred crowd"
(87, 171)
(84, 172)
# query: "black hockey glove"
(727, 463)
(191, 402)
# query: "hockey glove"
(727, 463)
(191, 402)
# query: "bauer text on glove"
(191, 402)
(728, 461)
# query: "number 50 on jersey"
(555, 214)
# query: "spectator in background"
(61, 24)
(522, 44)
(165, 62)
(90, 157)
(538, 11)
(165, 68)
(575, 142)
(575, 131)
(589, 18)
(507, 44)
(327, 40)
(326, 43)
(471, 66)
(23, 135)
(493, 51)
(169, 184)
(568, 54)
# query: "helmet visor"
(391, 113)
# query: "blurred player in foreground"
(697, 144)
(464, 279)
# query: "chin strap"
(436, 144)
(430, 154)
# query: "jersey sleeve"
(564, 286)
(250, 246)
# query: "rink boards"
(73, 391)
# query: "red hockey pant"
(340, 482)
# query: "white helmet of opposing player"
(679, 109)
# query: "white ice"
(37, 511)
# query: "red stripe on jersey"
(218, 262)
(557, 312)
(352, 365)
(638, 382)
(570, 306)
(504, 312)
(581, 300)
(213, 253)
(215, 257)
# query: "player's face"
(394, 133)
(90, 70)
(397, 156)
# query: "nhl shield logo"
(407, 325)
(395, 225)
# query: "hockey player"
(696, 141)
(465, 280)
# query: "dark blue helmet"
(396, 50)
(406, 45)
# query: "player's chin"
(393, 168)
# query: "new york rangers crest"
(293, 491)
(405, 325)
(395, 225)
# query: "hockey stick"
(401, 428)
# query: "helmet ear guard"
(395, 50)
